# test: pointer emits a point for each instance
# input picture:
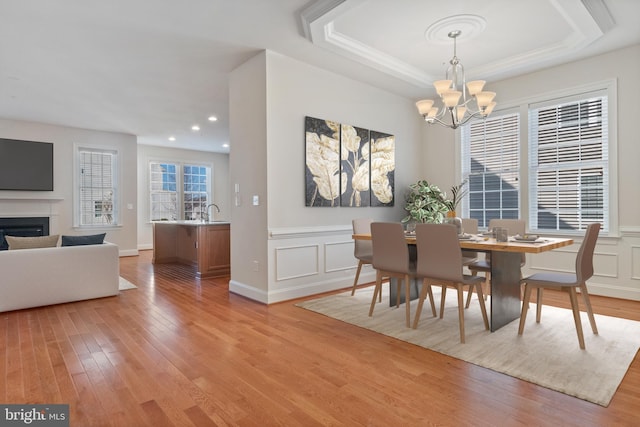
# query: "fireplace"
(23, 227)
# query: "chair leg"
(576, 315)
(355, 282)
(587, 303)
(398, 289)
(461, 313)
(525, 307)
(483, 307)
(407, 299)
(470, 293)
(443, 296)
(539, 304)
(376, 291)
(423, 294)
(486, 292)
(433, 305)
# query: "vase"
(455, 220)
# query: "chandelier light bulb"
(475, 87)
(484, 98)
(451, 98)
(442, 86)
(424, 106)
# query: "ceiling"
(154, 68)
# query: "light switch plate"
(256, 200)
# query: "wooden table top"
(481, 243)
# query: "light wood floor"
(179, 351)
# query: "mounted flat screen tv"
(26, 165)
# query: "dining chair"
(363, 250)
(440, 263)
(567, 282)
(391, 259)
(469, 226)
(514, 226)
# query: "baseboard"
(296, 291)
(248, 291)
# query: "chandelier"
(456, 97)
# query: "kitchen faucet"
(205, 214)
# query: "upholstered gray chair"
(469, 226)
(363, 249)
(440, 263)
(515, 226)
(567, 282)
(391, 259)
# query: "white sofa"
(45, 276)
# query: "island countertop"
(193, 222)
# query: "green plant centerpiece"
(425, 202)
(457, 193)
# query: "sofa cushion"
(16, 242)
(92, 239)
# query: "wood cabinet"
(203, 245)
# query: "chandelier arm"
(471, 116)
(433, 120)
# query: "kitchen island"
(205, 245)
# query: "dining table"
(505, 299)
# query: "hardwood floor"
(179, 351)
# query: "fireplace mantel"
(30, 199)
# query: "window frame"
(609, 87)
(466, 169)
(116, 210)
(180, 186)
(560, 152)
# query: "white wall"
(617, 258)
(219, 176)
(58, 204)
(309, 249)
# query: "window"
(163, 191)
(490, 163)
(568, 163)
(173, 185)
(195, 191)
(97, 201)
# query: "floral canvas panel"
(383, 166)
(322, 171)
(355, 165)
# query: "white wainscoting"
(311, 260)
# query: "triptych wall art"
(348, 165)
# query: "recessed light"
(195, 127)
(172, 138)
(213, 119)
(225, 145)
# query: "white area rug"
(546, 354)
(125, 284)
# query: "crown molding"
(318, 25)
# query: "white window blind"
(490, 163)
(568, 163)
(97, 187)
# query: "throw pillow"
(93, 239)
(16, 242)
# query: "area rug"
(546, 354)
(125, 284)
